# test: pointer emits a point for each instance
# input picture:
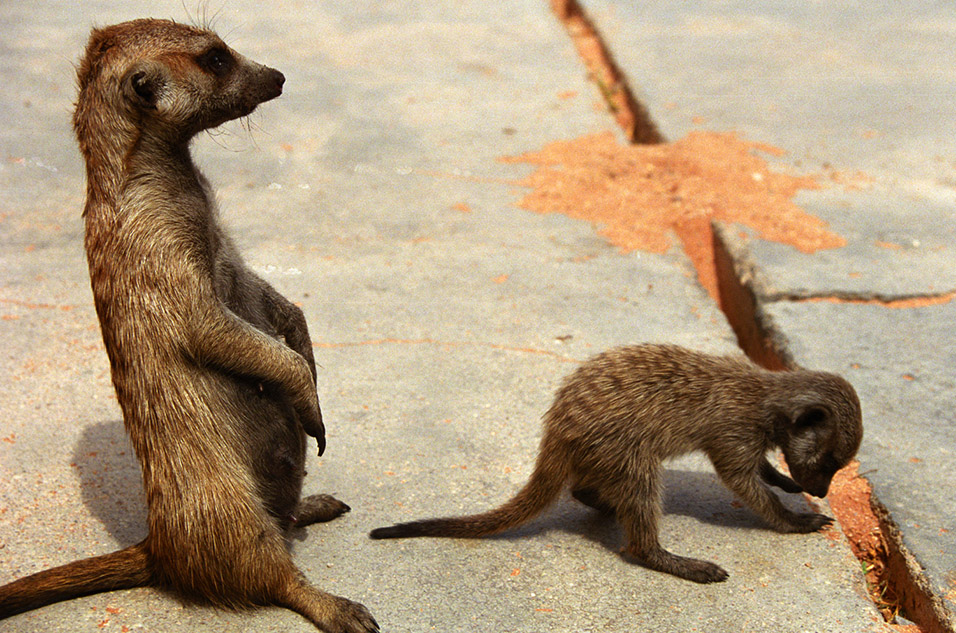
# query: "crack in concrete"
(630, 113)
(902, 301)
(39, 306)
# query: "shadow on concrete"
(111, 483)
(694, 494)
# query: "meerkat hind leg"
(638, 512)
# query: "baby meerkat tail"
(546, 482)
(124, 569)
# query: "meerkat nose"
(279, 80)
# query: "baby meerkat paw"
(700, 571)
(331, 614)
(809, 522)
(692, 569)
(311, 421)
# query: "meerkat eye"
(217, 61)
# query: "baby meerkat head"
(819, 426)
(171, 79)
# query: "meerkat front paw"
(804, 523)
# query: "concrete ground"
(444, 316)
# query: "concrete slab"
(861, 95)
(898, 246)
(864, 92)
(443, 318)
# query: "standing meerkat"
(213, 368)
(623, 412)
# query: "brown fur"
(623, 412)
(213, 368)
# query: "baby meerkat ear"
(811, 417)
(142, 85)
(800, 423)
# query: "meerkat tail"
(543, 487)
(124, 569)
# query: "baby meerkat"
(623, 412)
(213, 368)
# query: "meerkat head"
(170, 79)
(818, 427)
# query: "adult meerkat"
(623, 412)
(213, 368)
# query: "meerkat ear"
(798, 429)
(811, 417)
(142, 86)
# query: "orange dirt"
(642, 195)
(850, 501)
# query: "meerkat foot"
(319, 509)
(776, 478)
(687, 568)
(332, 614)
(312, 425)
(804, 523)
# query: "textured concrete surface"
(866, 93)
(861, 92)
(443, 318)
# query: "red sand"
(641, 194)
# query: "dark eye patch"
(216, 60)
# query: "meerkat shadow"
(698, 495)
(701, 495)
(570, 517)
(111, 483)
